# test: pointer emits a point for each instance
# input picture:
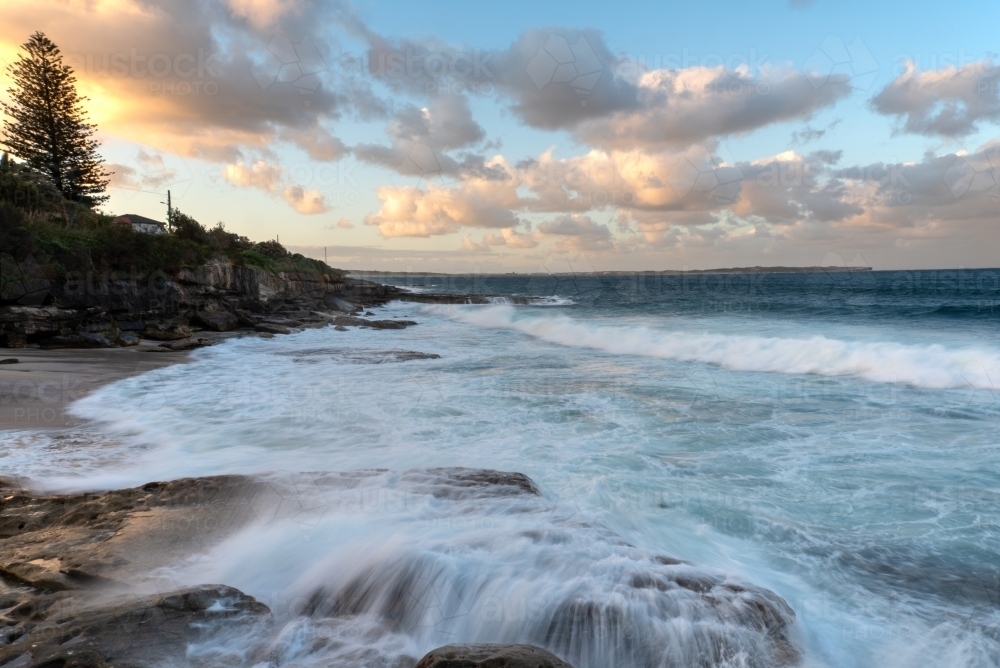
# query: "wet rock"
(9, 360)
(247, 318)
(270, 328)
(131, 325)
(340, 328)
(134, 631)
(338, 304)
(351, 321)
(18, 323)
(219, 321)
(78, 340)
(491, 656)
(463, 483)
(265, 335)
(127, 339)
(390, 324)
(187, 344)
(166, 332)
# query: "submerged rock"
(491, 656)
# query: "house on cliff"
(141, 224)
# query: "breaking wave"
(924, 366)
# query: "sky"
(547, 137)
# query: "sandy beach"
(36, 391)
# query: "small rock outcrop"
(131, 631)
(219, 321)
(491, 656)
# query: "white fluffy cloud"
(271, 179)
(950, 102)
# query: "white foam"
(925, 366)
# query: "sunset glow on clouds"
(316, 121)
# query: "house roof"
(135, 219)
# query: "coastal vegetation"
(52, 183)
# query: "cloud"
(260, 174)
(145, 171)
(271, 179)
(949, 102)
(179, 76)
(510, 238)
(263, 13)
(577, 232)
(565, 79)
(344, 224)
(414, 212)
(305, 201)
(682, 107)
(422, 138)
(471, 246)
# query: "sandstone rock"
(272, 328)
(338, 304)
(265, 335)
(133, 631)
(17, 323)
(390, 324)
(127, 339)
(166, 332)
(491, 656)
(219, 321)
(351, 321)
(187, 344)
(78, 340)
(246, 318)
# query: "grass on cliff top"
(63, 237)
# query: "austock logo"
(300, 65)
(23, 282)
(559, 62)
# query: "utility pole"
(170, 214)
(324, 256)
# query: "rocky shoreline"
(118, 311)
(180, 312)
(72, 566)
(77, 588)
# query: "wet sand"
(36, 392)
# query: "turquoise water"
(830, 438)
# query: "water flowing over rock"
(528, 573)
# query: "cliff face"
(96, 310)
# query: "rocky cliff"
(115, 308)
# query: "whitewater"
(820, 447)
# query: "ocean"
(831, 437)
